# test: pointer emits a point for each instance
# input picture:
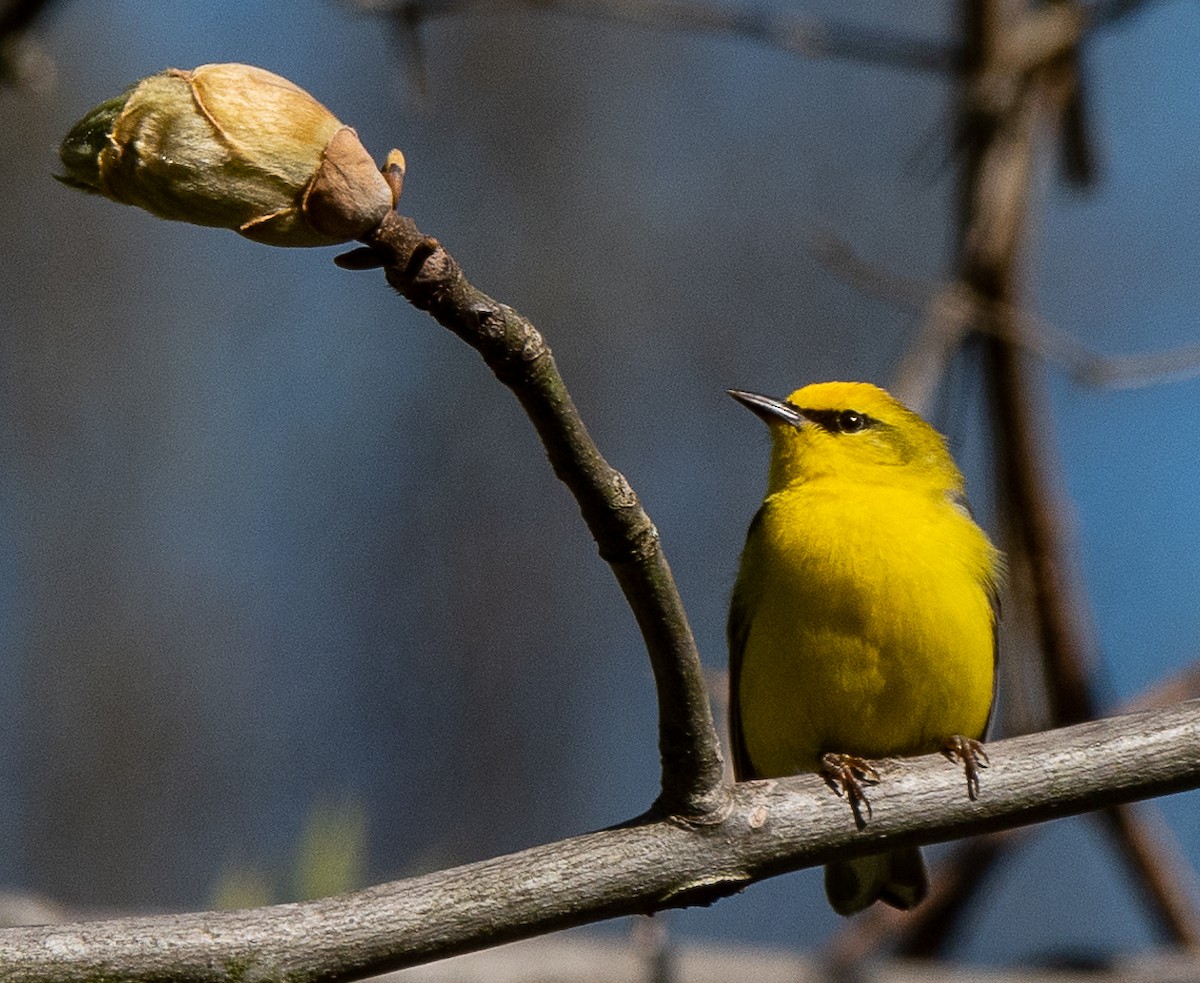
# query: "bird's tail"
(896, 878)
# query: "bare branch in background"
(22, 60)
(1052, 32)
(995, 190)
(1163, 879)
(924, 932)
(840, 258)
(951, 314)
(947, 323)
(1106, 13)
(23, 908)
(1141, 371)
(407, 29)
(17, 16)
(781, 29)
(1183, 685)
(573, 959)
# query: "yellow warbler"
(863, 620)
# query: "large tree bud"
(232, 146)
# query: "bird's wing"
(993, 593)
(958, 499)
(737, 630)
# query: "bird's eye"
(849, 421)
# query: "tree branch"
(693, 780)
(1107, 13)
(18, 16)
(787, 31)
(995, 184)
(959, 876)
(21, 61)
(922, 933)
(770, 827)
(951, 311)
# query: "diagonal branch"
(951, 311)
(770, 828)
(1106, 13)
(784, 30)
(20, 61)
(923, 933)
(693, 782)
(17, 16)
(1044, 35)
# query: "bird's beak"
(769, 409)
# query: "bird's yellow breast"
(867, 625)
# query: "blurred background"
(286, 579)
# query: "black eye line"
(830, 420)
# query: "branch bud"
(232, 146)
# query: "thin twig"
(951, 312)
(693, 782)
(780, 29)
(1048, 36)
(1107, 13)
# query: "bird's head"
(854, 431)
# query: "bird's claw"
(847, 774)
(973, 757)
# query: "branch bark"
(693, 779)
(769, 828)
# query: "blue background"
(270, 539)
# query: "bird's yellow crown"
(857, 431)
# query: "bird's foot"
(847, 774)
(973, 757)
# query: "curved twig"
(693, 782)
